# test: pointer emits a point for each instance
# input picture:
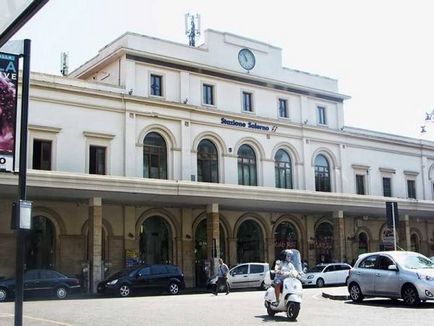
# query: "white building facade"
(159, 152)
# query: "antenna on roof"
(192, 28)
(64, 66)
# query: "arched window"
(250, 245)
(246, 166)
(207, 162)
(154, 157)
(322, 174)
(283, 170)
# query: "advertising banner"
(8, 109)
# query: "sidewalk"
(336, 293)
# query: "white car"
(327, 274)
(247, 275)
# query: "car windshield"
(415, 261)
(316, 269)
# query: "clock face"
(246, 58)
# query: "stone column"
(187, 246)
(270, 250)
(338, 236)
(213, 236)
(232, 251)
(95, 242)
(404, 233)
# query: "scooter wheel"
(292, 310)
(270, 311)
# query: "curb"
(336, 296)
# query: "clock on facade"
(246, 58)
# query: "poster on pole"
(8, 109)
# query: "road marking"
(6, 315)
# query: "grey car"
(392, 274)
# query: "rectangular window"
(411, 189)
(156, 85)
(387, 187)
(283, 108)
(360, 184)
(208, 94)
(247, 102)
(97, 164)
(41, 154)
(321, 111)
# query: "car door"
(342, 273)
(256, 275)
(364, 274)
(239, 276)
(386, 281)
(329, 274)
(159, 278)
(32, 282)
(49, 280)
(140, 278)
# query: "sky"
(380, 51)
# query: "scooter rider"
(283, 269)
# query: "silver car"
(247, 275)
(392, 274)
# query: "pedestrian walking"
(222, 277)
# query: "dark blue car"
(144, 278)
(41, 282)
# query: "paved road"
(238, 308)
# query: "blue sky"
(380, 51)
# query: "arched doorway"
(40, 244)
(414, 242)
(200, 251)
(363, 243)
(324, 242)
(250, 244)
(285, 237)
(155, 241)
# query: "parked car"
(41, 282)
(144, 278)
(247, 275)
(327, 274)
(392, 274)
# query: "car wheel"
(270, 311)
(61, 292)
(320, 282)
(173, 288)
(410, 295)
(3, 294)
(124, 290)
(292, 310)
(355, 293)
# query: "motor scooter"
(292, 290)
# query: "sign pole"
(394, 226)
(20, 232)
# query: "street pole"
(394, 227)
(20, 233)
